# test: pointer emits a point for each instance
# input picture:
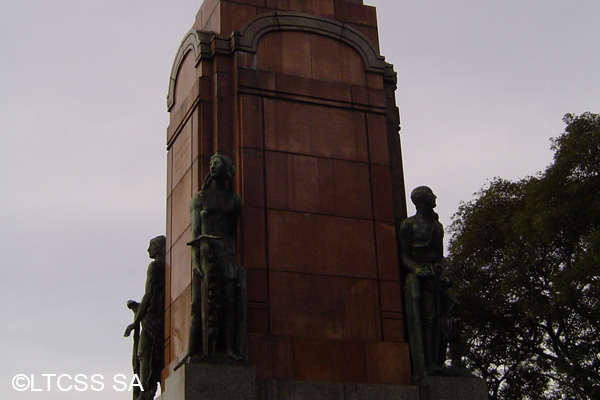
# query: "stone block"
(382, 192)
(253, 228)
(313, 88)
(391, 299)
(313, 129)
(211, 382)
(321, 244)
(291, 183)
(251, 78)
(370, 32)
(182, 152)
(374, 80)
(169, 173)
(258, 353)
(252, 177)
(286, 390)
(324, 306)
(387, 363)
(251, 121)
(323, 181)
(361, 391)
(393, 329)
(285, 52)
(181, 265)
(319, 7)
(167, 324)
(335, 61)
(360, 95)
(344, 188)
(168, 298)
(180, 203)
(257, 285)
(377, 98)
(273, 356)
(329, 360)
(355, 13)
(195, 127)
(180, 325)
(387, 250)
(258, 320)
(452, 388)
(378, 149)
(235, 14)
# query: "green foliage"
(525, 262)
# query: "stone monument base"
(210, 382)
(296, 390)
(219, 382)
(452, 388)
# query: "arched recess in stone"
(309, 55)
(189, 44)
(252, 32)
(207, 44)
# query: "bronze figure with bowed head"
(432, 317)
(148, 350)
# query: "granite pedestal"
(300, 390)
(452, 388)
(210, 382)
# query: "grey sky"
(482, 86)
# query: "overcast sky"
(482, 86)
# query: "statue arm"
(150, 289)
(405, 234)
(196, 206)
(151, 279)
(196, 214)
(440, 245)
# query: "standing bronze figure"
(148, 349)
(215, 324)
(431, 310)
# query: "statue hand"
(131, 304)
(423, 272)
(198, 272)
(130, 327)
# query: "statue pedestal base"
(210, 382)
(452, 388)
(299, 390)
(218, 382)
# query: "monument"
(297, 294)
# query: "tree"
(525, 261)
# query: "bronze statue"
(215, 324)
(432, 317)
(148, 349)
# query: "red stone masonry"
(296, 93)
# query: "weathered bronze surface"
(148, 351)
(432, 312)
(215, 332)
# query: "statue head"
(221, 167)
(423, 197)
(158, 246)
